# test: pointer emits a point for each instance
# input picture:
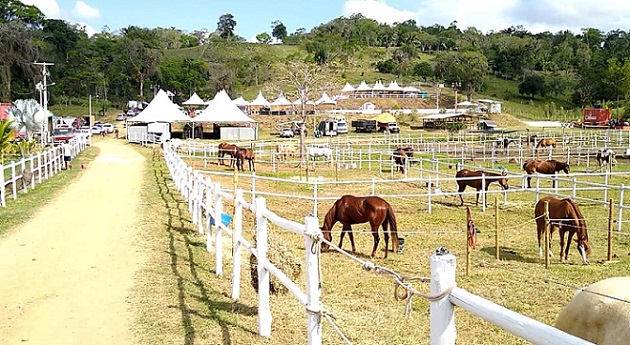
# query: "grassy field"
(183, 301)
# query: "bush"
(453, 127)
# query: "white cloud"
(89, 30)
(485, 15)
(48, 7)
(377, 10)
(84, 11)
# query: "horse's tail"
(393, 228)
(524, 165)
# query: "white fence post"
(218, 236)
(3, 199)
(315, 198)
(574, 191)
(442, 312)
(483, 191)
(313, 284)
(236, 244)
(620, 208)
(429, 193)
(13, 181)
(264, 311)
(254, 186)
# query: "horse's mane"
(329, 219)
(581, 222)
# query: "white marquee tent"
(348, 88)
(222, 110)
(260, 101)
(161, 109)
(194, 100)
(378, 86)
(363, 87)
(393, 86)
(325, 100)
(240, 102)
(281, 101)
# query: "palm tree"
(28, 117)
(6, 135)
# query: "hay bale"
(283, 258)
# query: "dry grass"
(183, 301)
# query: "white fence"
(36, 168)
(205, 200)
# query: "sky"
(255, 16)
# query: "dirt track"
(66, 274)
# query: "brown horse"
(566, 216)
(245, 154)
(549, 167)
(545, 142)
(478, 182)
(284, 151)
(230, 150)
(350, 210)
(400, 159)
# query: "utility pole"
(44, 87)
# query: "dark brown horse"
(477, 182)
(245, 154)
(566, 216)
(400, 159)
(230, 150)
(545, 142)
(350, 210)
(549, 167)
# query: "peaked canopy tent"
(325, 100)
(394, 87)
(160, 110)
(348, 88)
(363, 88)
(281, 103)
(194, 100)
(240, 102)
(223, 111)
(260, 102)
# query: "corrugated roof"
(440, 116)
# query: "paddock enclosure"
(427, 209)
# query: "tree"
(15, 10)
(469, 68)
(304, 78)
(386, 66)
(17, 52)
(423, 69)
(226, 25)
(532, 85)
(183, 75)
(6, 135)
(140, 48)
(278, 30)
(263, 38)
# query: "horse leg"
(377, 239)
(351, 236)
(462, 188)
(477, 200)
(568, 244)
(529, 180)
(386, 237)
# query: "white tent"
(466, 104)
(223, 110)
(378, 86)
(325, 100)
(410, 89)
(240, 102)
(348, 88)
(194, 100)
(299, 102)
(363, 86)
(161, 109)
(281, 101)
(393, 86)
(260, 101)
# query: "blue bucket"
(225, 219)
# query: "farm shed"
(229, 122)
(435, 121)
(487, 125)
(494, 107)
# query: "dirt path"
(66, 274)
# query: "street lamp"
(437, 100)
(456, 86)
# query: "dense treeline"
(590, 67)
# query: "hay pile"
(282, 257)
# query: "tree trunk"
(141, 87)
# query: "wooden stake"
(547, 240)
(610, 226)
(496, 227)
(468, 219)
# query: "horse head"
(582, 244)
(327, 236)
(565, 167)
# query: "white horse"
(313, 152)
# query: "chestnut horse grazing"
(477, 182)
(549, 167)
(245, 154)
(566, 216)
(350, 210)
(400, 159)
(545, 142)
(230, 150)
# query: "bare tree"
(304, 78)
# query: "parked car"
(342, 127)
(97, 130)
(286, 133)
(62, 134)
(108, 128)
(121, 117)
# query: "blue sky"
(254, 17)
